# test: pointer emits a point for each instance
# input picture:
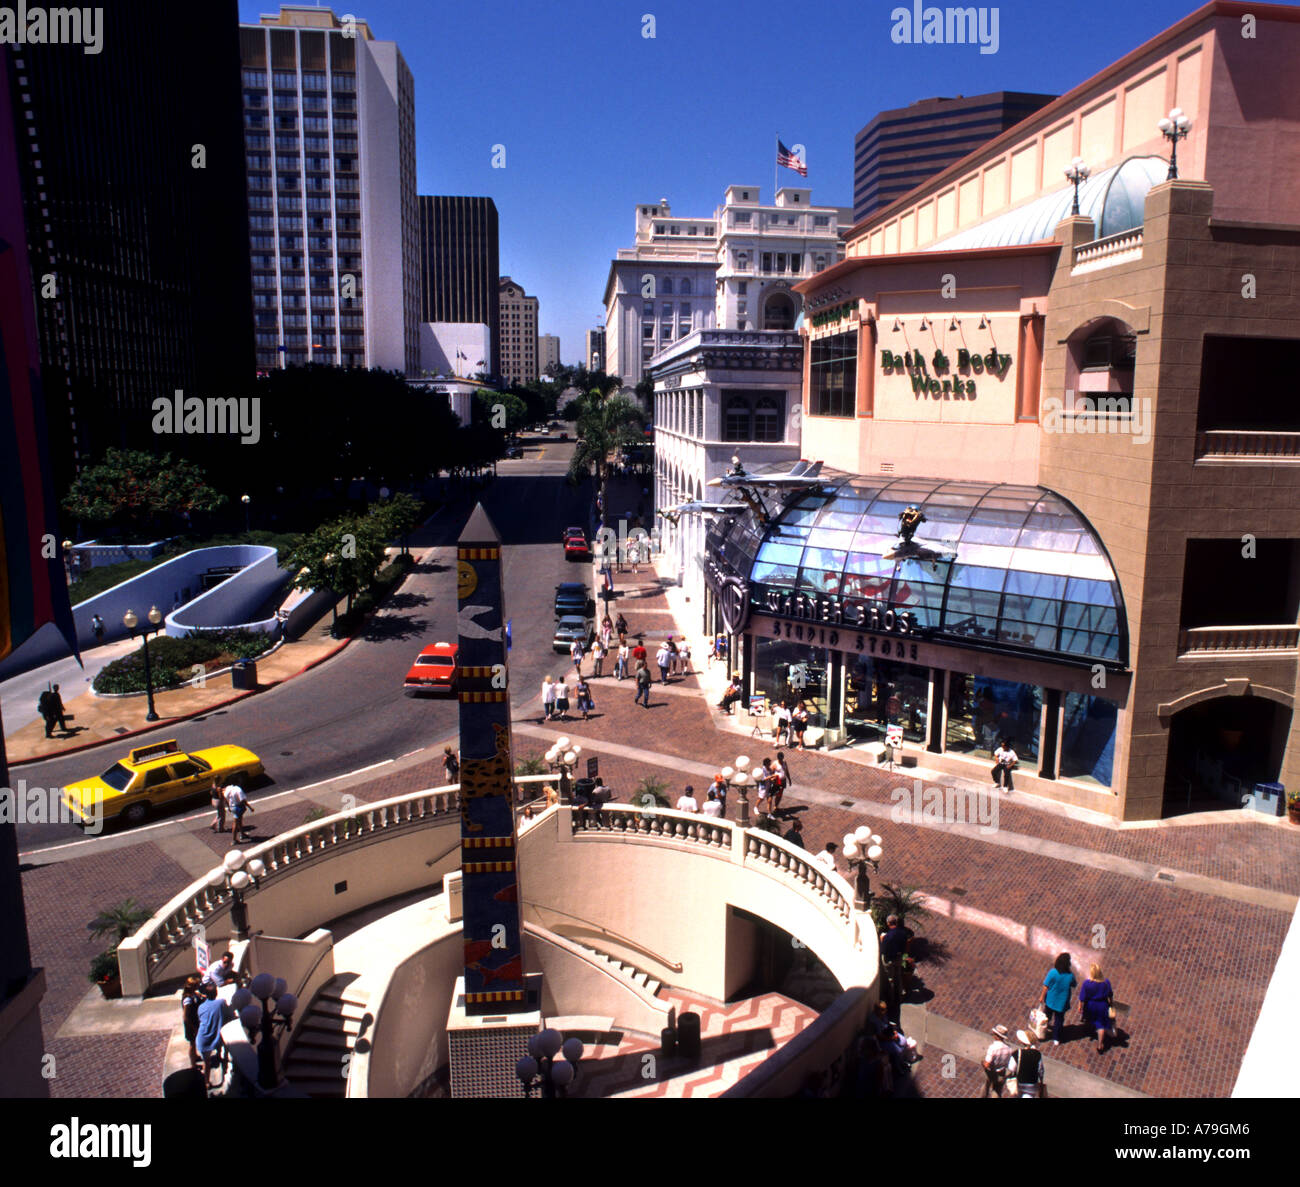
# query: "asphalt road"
(350, 712)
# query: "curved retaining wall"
(226, 606)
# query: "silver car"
(569, 628)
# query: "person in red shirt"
(639, 652)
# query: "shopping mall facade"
(1092, 412)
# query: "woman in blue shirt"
(1058, 985)
(1096, 1000)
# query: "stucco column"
(807, 368)
(1030, 375)
(866, 393)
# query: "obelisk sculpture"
(493, 936)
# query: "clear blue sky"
(596, 118)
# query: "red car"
(575, 545)
(434, 670)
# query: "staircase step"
(320, 1086)
(318, 1056)
(331, 1024)
(333, 1007)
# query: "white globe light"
(1164, 125)
(256, 867)
(526, 1068)
(874, 853)
(287, 1003)
(551, 755)
(875, 838)
(261, 985)
(740, 778)
(251, 1015)
(535, 1045)
(561, 1073)
(217, 877)
(240, 998)
(849, 839)
(742, 762)
(577, 750)
(233, 860)
(280, 988)
(726, 772)
(570, 758)
(551, 1041)
(562, 743)
(862, 834)
(1175, 113)
(850, 849)
(239, 880)
(572, 1050)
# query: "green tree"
(398, 516)
(131, 490)
(342, 556)
(605, 425)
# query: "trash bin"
(243, 675)
(1269, 798)
(186, 1084)
(668, 1040)
(688, 1035)
(582, 789)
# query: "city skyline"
(569, 163)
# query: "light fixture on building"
(925, 325)
(1077, 173)
(898, 326)
(984, 321)
(953, 327)
(1174, 127)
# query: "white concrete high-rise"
(548, 352)
(329, 134)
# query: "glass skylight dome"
(1029, 573)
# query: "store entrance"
(881, 692)
(1219, 750)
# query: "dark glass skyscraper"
(131, 163)
(459, 264)
(899, 149)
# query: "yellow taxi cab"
(156, 775)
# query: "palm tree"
(605, 425)
(119, 921)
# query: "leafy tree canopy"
(131, 490)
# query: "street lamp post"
(1174, 127)
(237, 875)
(247, 513)
(275, 1013)
(563, 758)
(1078, 173)
(862, 849)
(131, 620)
(739, 779)
(543, 1065)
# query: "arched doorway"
(1219, 749)
(778, 312)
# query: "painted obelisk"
(493, 936)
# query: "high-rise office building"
(548, 352)
(329, 120)
(518, 333)
(595, 360)
(131, 169)
(460, 265)
(901, 148)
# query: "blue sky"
(595, 118)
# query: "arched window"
(735, 419)
(666, 285)
(1100, 364)
(767, 419)
(684, 287)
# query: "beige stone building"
(518, 333)
(1092, 412)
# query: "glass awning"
(1015, 568)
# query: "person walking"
(674, 657)
(997, 1061)
(548, 699)
(643, 683)
(207, 1039)
(893, 947)
(237, 803)
(620, 625)
(219, 807)
(795, 835)
(576, 652)
(620, 664)
(639, 653)
(597, 659)
(799, 723)
(1058, 985)
(684, 653)
(191, 998)
(781, 719)
(583, 694)
(97, 629)
(779, 781)
(1027, 1067)
(764, 777)
(664, 658)
(1097, 1002)
(712, 805)
(50, 706)
(687, 802)
(450, 765)
(562, 697)
(1004, 762)
(786, 781)
(606, 631)
(719, 788)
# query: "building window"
(1088, 738)
(982, 711)
(676, 230)
(648, 308)
(767, 261)
(668, 309)
(740, 218)
(686, 310)
(736, 419)
(820, 262)
(767, 419)
(833, 375)
(742, 289)
(647, 329)
(780, 261)
(684, 287)
(821, 220)
(880, 693)
(666, 284)
(659, 228)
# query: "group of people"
(204, 1012)
(50, 706)
(789, 724)
(555, 698)
(232, 799)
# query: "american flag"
(787, 159)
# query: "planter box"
(1269, 798)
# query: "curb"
(171, 721)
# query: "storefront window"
(1088, 738)
(982, 711)
(794, 672)
(881, 692)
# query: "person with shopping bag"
(1097, 1001)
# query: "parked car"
(435, 670)
(154, 775)
(513, 451)
(569, 628)
(573, 597)
(575, 547)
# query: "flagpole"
(775, 167)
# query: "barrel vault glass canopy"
(1010, 568)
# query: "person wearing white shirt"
(997, 1063)
(827, 856)
(686, 801)
(620, 667)
(713, 805)
(1004, 762)
(237, 804)
(548, 699)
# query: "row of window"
(745, 416)
(665, 229)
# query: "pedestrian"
(223, 971)
(1057, 987)
(597, 658)
(50, 707)
(583, 694)
(684, 653)
(795, 835)
(893, 947)
(642, 683)
(799, 723)
(719, 788)
(237, 803)
(450, 765)
(1097, 1001)
(763, 777)
(1004, 762)
(552, 796)
(191, 998)
(639, 653)
(620, 665)
(902, 1050)
(997, 1061)
(784, 769)
(576, 652)
(600, 796)
(781, 719)
(561, 686)
(606, 631)
(664, 658)
(1027, 1067)
(207, 1040)
(97, 629)
(219, 806)
(674, 657)
(620, 626)
(712, 805)
(548, 699)
(827, 856)
(732, 695)
(779, 783)
(687, 802)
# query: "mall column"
(491, 1018)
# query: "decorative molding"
(1237, 686)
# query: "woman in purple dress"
(1096, 999)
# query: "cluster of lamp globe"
(265, 989)
(561, 754)
(542, 1060)
(862, 842)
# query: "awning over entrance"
(994, 566)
